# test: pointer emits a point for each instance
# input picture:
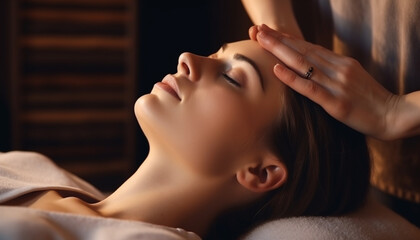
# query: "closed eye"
(231, 80)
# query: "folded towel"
(24, 172)
(372, 222)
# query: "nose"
(189, 65)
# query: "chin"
(153, 116)
(143, 109)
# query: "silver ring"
(309, 73)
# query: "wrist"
(403, 116)
(391, 127)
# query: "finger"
(284, 53)
(307, 88)
(273, 32)
(325, 71)
(252, 32)
(316, 60)
(306, 48)
(302, 46)
(329, 56)
(325, 60)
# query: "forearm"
(404, 121)
(277, 14)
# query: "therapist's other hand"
(338, 83)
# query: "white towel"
(371, 222)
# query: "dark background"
(5, 134)
(165, 29)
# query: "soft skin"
(341, 86)
(209, 149)
(208, 145)
(215, 121)
(339, 83)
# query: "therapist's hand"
(338, 83)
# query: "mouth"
(170, 85)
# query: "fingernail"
(278, 68)
(264, 27)
(264, 37)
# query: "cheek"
(218, 112)
(210, 130)
(220, 126)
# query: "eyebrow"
(240, 57)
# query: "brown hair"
(328, 163)
(328, 169)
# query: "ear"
(267, 174)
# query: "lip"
(170, 85)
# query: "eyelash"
(231, 80)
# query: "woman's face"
(215, 112)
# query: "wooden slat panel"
(74, 56)
(81, 2)
(80, 133)
(73, 100)
(74, 116)
(76, 16)
(63, 28)
(74, 68)
(83, 42)
(91, 152)
(75, 97)
(74, 81)
(92, 169)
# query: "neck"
(163, 193)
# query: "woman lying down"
(230, 147)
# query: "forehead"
(251, 49)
